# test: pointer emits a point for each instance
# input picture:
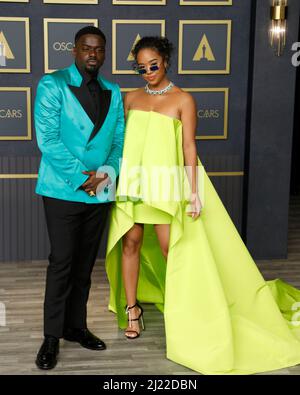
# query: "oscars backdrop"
(211, 61)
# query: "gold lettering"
(208, 113)
(10, 113)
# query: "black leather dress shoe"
(47, 355)
(85, 338)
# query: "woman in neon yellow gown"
(221, 316)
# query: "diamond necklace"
(159, 92)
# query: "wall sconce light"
(278, 28)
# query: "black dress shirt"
(91, 82)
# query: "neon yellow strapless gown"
(221, 316)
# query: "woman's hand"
(195, 206)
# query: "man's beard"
(93, 70)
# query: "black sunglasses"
(143, 70)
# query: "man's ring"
(92, 193)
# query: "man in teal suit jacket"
(79, 122)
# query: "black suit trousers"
(75, 230)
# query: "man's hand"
(93, 181)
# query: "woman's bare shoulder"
(183, 97)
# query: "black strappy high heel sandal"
(130, 320)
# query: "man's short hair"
(89, 30)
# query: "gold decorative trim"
(204, 22)
(221, 2)
(27, 43)
(28, 102)
(17, 176)
(225, 173)
(224, 136)
(139, 2)
(70, 1)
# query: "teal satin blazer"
(64, 132)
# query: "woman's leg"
(163, 235)
(132, 242)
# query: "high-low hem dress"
(221, 316)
